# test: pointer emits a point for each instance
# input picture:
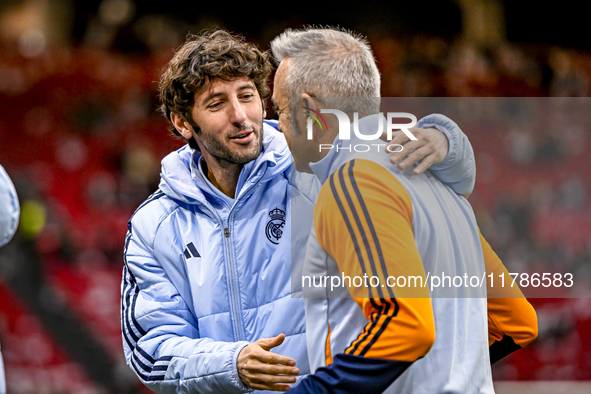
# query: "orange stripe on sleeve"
(509, 312)
(328, 352)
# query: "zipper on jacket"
(235, 303)
(234, 309)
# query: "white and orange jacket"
(373, 220)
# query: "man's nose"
(237, 113)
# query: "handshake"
(261, 369)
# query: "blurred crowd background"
(82, 141)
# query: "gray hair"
(330, 63)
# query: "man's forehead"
(217, 85)
(279, 78)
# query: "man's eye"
(214, 105)
(248, 96)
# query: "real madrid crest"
(274, 229)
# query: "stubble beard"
(226, 157)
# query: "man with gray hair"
(337, 66)
(373, 219)
(331, 64)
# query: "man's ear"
(311, 107)
(181, 125)
(311, 103)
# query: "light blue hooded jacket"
(202, 279)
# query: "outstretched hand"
(431, 147)
(261, 369)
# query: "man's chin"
(250, 152)
(247, 157)
(245, 160)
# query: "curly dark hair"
(212, 54)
